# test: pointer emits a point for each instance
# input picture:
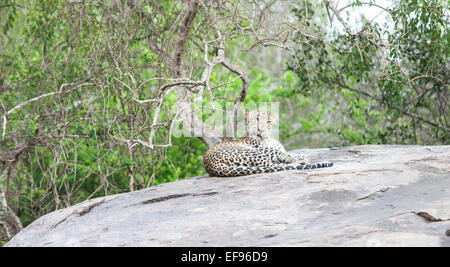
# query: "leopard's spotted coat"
(254, 153)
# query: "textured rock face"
(372, 196)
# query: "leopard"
(256, 152)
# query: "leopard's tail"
(230, 171)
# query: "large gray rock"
(373, 196)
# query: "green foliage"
(336, 91)
(395, 93)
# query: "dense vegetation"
(88, 89)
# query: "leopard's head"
(258, 123)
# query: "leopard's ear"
(273, 118)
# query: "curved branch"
(60, 92)
(370, 4)
(76, 86)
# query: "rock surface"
(372, 196)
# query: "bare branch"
(60, 92)
(328, 5)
